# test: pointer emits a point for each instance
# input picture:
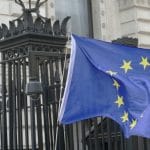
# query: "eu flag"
(109, 80)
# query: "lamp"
(34, 88)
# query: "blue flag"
(109, 80)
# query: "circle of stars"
(126, 66)
(120, 102)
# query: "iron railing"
(33, 63)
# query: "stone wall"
(117, 18)
(135, 21)
(111, 18)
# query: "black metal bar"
(29, 4)
(140, 143)
(0, 126)
(51, 129)
(50, 105)
(20, 136)
(33, 132)
(115, 136)
(0, 131)
(60, 142)
(122, 143)
(90, 16)
(128, 143)
(95, 134)
(147, 144)
(38, 111)
(77, 135)
(10, 105)
(52, 55)
(24, 72)
(52, 99)
(108, 134)
(66, 138)
(83, 135)
(45, 108)
(39, 125)
(71, 140)
(133, 143)
(14, 107)
(57, 81)
(4, 115)
(39, 121)
(103, 137)
(58, 96)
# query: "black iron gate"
(30, 121)
(32, 66)
(33, 69)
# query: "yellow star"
(119, 101)
(133, 124)
(116, 84)
(144, 62)
(126, 66)
(111, 72)
(125, 117)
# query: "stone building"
(102, 19)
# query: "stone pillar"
(127, 11)
(135, 20)
(106, 21)
(50, 9)
(143, 21)
(96, 19)
(113, 19)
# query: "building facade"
(102, 19)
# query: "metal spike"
(20, 26)
(64, 25)
(1, 33)
(38, 25)
(12, 28)
(56, 27)
(48, 27)
(5, 30)
(28, 21)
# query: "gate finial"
(28, 23)
(31, 9)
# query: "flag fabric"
(109, 80)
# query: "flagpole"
(61, 89)
(29, 4)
